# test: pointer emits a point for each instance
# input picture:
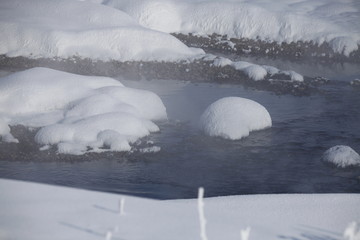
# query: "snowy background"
(223, 128)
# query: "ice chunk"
(234, 118)
(342, 156)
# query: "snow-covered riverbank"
(36, 211)
(140, 30)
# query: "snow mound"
(5, 134)
(280, 21)
(342, 156)
(253, 71)
(67, 28)
(77, 113)
(234, 118)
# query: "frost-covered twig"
(201, 214)
(245, 233)
(121, 206)
(108, 235)
(352, 232)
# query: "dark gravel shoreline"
(292, 51)
(200, 70)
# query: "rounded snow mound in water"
(342, 156)
(77, 113)
(234, 118)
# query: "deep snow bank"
(67, 28)
(281, 21)
(77, 113)
(234, 118)
(342, 156)
(35, 211)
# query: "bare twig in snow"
(352, 232)
(108, 235)
(201, 214)
(121, 206)
(245, 233)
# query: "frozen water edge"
(37, 211)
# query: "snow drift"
(234, 118)
(42, 212)
(67, 28)
(281, 21)
(342, 156)
(77, 113)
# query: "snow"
(253, 71)
(153, 149)
(77, 113)
(281, 21)
(138, 30)
(5, 134)
(352, 232)
(37, 211)
(234, 118)
(68, 28)
(342, 156)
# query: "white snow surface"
(68, 28)
(5, 134)
(134, 30)
(254, 71)
(234, 118)
(77, 113)
(342, 156)
(42, 212)
(332, 21)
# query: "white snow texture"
(77, 113)
(332, 21)
(133, 30)
(254, 71)
(41, 212)
(342, 156)
(68, 28)
(234, 118)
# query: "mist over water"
(283, 159)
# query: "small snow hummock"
(234, 118)
(5, 134)
(253, 71)
(153, 149)
(342, 156)
(77, 113)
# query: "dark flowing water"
(283, 159)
